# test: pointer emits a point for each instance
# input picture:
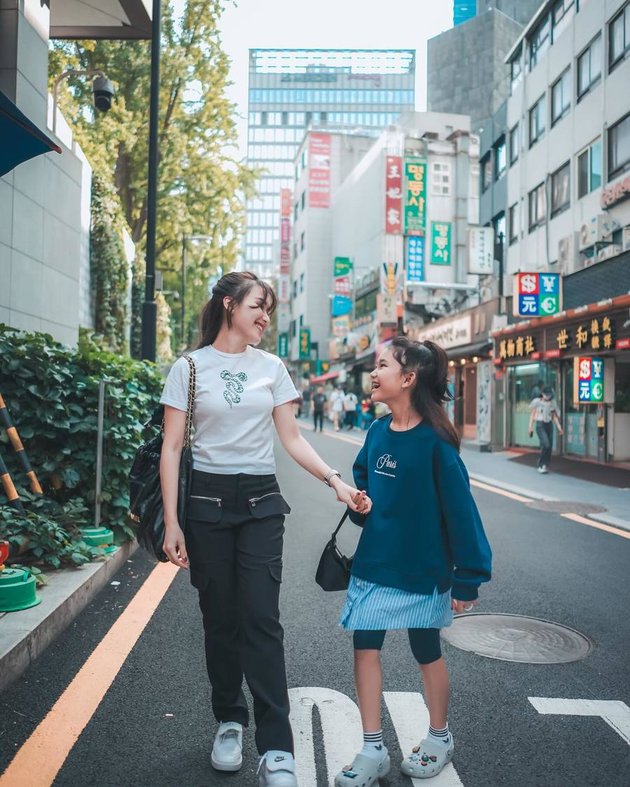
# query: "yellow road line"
(42, 756)
(498, 491)
(597, 525)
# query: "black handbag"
(146, 507)
(333, 571)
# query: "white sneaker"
(227, 751)
(277, 769)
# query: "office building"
(291, 90)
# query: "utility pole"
(149, 307)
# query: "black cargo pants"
(234, 534)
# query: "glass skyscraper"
(291, 90)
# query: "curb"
(26, 634)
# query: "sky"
(327, 24)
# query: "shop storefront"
(466, 339)
(589, 346)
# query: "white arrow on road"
(614, 712)
(343, 735)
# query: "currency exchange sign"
(588, 376)
(537, 294)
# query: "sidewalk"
(568, 481)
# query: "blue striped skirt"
(372, 607)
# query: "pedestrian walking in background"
(350, 402)
(319, 407)
(233, 536)
(422, 553)
(367, 412)
(336, 407)
(544, 412)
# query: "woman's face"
(250, 318)
(387, 378)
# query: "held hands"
(461, 606)
(175, 546)
(355, 500)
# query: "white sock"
(373, 745)
(438, 735)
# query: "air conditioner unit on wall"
(567, 254)
(609, 251)
(599, 228)
(625, 239)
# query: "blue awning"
(20, 139)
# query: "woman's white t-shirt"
(236, 394)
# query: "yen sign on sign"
(537, 294)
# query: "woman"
(235, 520)
(544, 413)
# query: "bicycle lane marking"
(48, 747)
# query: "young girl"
(232, 537)
(422, 552)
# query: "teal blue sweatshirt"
(424, 530)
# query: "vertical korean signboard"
(415, 196)
(319, 170)
(441, 242)
(393, 195)
(305, 344)
(537, 294)
(283, 345)
(415, 259)
(285, 231)
(588, 380)
(480, 250)
(342, 287)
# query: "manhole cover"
(517, 638)
(561, 507)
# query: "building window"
(516, 71)
(561, 16)
(589, 168)
(539, 41)
(441, 179)
(514, 144)
(561, 97)
(561, 189)
(537, 207)
(537, 121)
(323, 118)
(513, 223)
(264, 117)
(589, 66)
(296, 207)
(619, 37)
(302, 241)
(619, 147)
(498, 225)
(303, 200)
(500, 159)
(486, 172)
(301, 282)
(285, 118)
(295, 288)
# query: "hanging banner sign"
(537, 294)
(283, 345)
(441, 242)
(481, 250)
(340, 305)
(305, 344)
(588, 380)
(386, 309)
(415, 196)
(414, 268)
(393, 195)
(341, 326)
(342, 266)
(342, 286)
(389, 278)
(319, 170)
(285, 203)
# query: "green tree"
(202, 186)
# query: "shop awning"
(323, 377)
(467, 350)
(21, 140)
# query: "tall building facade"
(466, 65)
(292, 90)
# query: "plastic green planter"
(99, 537)
(17, 590)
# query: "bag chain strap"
(192, 388)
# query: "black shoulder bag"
(333, 571)
(146, 506)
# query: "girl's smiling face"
(387, 378)
(251, 317)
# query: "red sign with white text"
(319, 171)
(393, 195)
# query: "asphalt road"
(154, 726)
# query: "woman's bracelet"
(331, 474)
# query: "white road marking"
(614, 712)
(341, 728)
(410, 718)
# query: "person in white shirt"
(336, 407)
(233, 534)
(350, 409)
(544, 413)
